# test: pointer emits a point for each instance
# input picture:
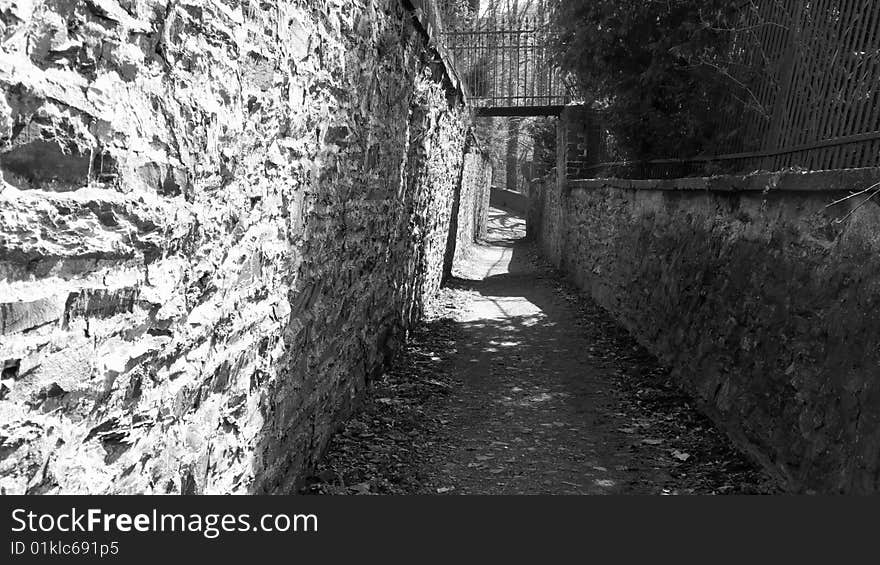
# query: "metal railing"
(805, 86)
(508, 65)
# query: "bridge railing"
(508, 65)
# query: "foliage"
(656, 66)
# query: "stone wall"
(471, 215)
(217, 220)
(758, 294)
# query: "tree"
(654, 66)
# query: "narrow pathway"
(519, 385)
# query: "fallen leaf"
(681, 455)
(651, 441)
(436, 383)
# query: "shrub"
(656, 67)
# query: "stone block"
(22, 316)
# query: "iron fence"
(508, 64)
(805, 77)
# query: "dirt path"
(518, 385)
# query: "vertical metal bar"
(517, 72)
(507, 60)
(494, 39)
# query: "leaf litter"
(400, 440)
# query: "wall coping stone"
(790, 181)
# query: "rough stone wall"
(545, 216)
(473, 209)
(217, 218)
(759, 296)
(479, 181)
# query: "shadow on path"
(519, 385)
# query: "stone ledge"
(789, 181)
